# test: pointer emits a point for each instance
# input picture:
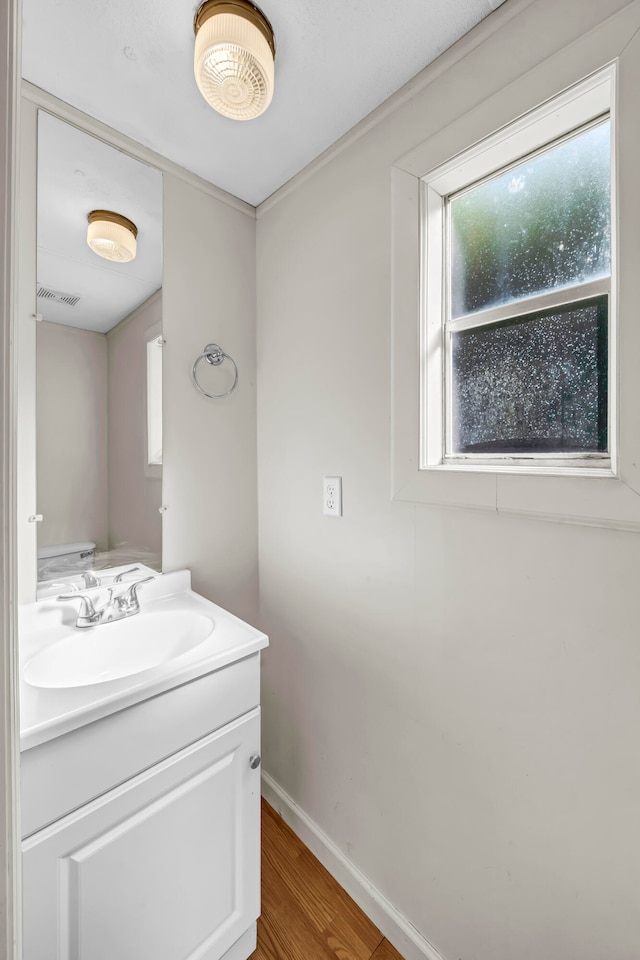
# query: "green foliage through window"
(543, 224)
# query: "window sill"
(522, 470)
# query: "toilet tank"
(62, 558)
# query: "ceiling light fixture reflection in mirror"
(94, 393)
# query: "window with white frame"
(517, 351)
(154, 401)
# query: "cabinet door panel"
(164, 867)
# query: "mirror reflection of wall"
(95, 482)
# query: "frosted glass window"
(534, 384)
(543, 224)
(517, 362)
(526, 322)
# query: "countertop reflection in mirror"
(96, 484)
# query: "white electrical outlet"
(332, 496)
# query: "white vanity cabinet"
(142, 829)
(162, 867)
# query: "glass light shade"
(112, 236)
(234, 62)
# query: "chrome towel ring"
(214, 355)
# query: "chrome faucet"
(90, 579)
(88, 616)
(128, 601)
(116, 608)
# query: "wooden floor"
(306, 915)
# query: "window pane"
(535, 384)
(154, 400)
(542, 225)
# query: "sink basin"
(71, 677)
(115, 650)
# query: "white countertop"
(48, 713)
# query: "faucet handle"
(87, 610)
(131, 596)
(90, 579)
(123, 573)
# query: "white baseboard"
(244, 945)
(396, 928)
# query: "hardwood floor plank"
(273, 826)
(345, 943)
(306, 914)
(293, 934)
(300, 886)
(292, 926)
(386, 952)
(346, 909)
(277, 940)
(266, 949)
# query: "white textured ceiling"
(129, 63)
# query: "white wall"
(451, 696)
(135, 490)
(71, 451)
(209, 446)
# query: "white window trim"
(152, 469)
(154, 401)
(608, 501)
(575, 108)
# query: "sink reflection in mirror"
(72, 581)
(98, 382)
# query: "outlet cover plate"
(332, 496)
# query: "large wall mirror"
(98, 358)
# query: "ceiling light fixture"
(112, 236)
(234, 56)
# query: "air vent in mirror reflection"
(69, 298)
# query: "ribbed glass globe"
(111, 240)
(234, 66)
